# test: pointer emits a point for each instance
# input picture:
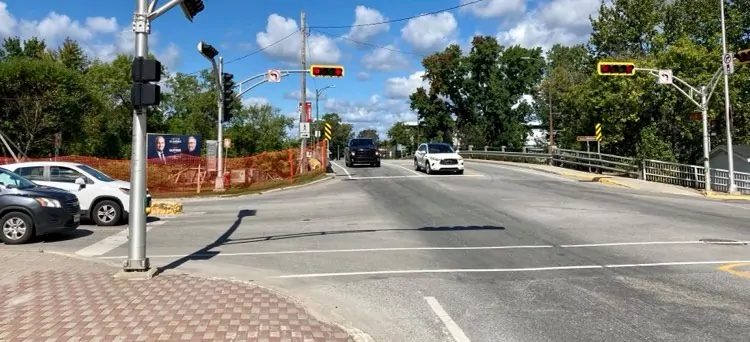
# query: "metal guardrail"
(650, 170)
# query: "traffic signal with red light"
(743, 56)
(327, 71)
(616, 69)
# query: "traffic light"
(227, 85)
(743, 56)
(191, 7)
(616, 69)
(143, 93)
(327, 71)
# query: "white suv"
(103, 199)
(436, 157)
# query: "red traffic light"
(327, 71)
(616, 69)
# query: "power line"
(254, 52)
(398, 20)
(368, 44)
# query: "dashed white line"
(343, 168)
(453, 328)
(111, 242)
(508, 270)
(465, 248)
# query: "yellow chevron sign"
(598, 132)
(327, 131)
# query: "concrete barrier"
(166, 207)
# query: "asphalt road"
(497, 254)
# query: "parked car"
(361, 151)
(103, 199)
(28, 210)
(437, 157)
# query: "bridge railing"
(650, 170)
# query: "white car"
(437, 157)
(102, 198)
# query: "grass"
(239, 191)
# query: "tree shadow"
(63, 236)
(338, 232)
(205, 253)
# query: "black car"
(361, 151)
(28, 210)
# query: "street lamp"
(549, 96)
(732, 187)
(319, 92)
(210, 53)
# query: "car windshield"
(440, 148)
(95, 173)
(11, 179)
(362, 143)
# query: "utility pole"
(219, 183)
(730, 150)
(303, 92)
(549, 94)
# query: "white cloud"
(363, 76)
(364, 16)
(559, 21)
(494, 8)
(376, 113)
(321, 49)
(432, 32)
(99, 37)
(310, 94)
(252, 101)
(385, 60)
(402, 87)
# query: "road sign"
(696, 116)
(729, 63)
(304, 130)
(665, 76)
(308, 111)
(585, 138)
(273, 75)
(326, 131)
(598, 132)
(227, 143)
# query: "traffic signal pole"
(219, 183)
(705, 96)
(730, 149)
(303, 93)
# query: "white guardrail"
(650, 170)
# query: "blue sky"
(382, 62)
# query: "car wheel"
(416, 165)
(18, 228)
(427, 168)
(377, 164)
(107, 213)
(460, 172)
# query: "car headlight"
(352, 153)
(125, 191)
(48, 202)
(377, 153)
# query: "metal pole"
(549, 94)
(706, 145)
(137, 260)
(730, 149)
(303, 93)
(317, 115)
(219, 185)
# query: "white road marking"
(420, 176)
(453, 328)
(343, 168)
(111, 242)
(475, 248)
(405, 168)
(502, 270)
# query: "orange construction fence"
(184, 174)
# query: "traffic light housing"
(227, 85)
(191, 7)
(743, 56)
(143, 93)
(336, 71)
(616, 68)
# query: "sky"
(382, 62)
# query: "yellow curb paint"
(726, 196)
(613, 182)
(166, 208)
(730, 268)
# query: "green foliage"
(45, 91)
(369, 134)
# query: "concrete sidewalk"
(51, 297)
(606, 179)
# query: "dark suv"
(28, 210)
(361, 151)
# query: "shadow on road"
(337, 232)
(63, 236)
(205, 253)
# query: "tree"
(341, 132)
(401, 134)
(369, 133)
(258, 128)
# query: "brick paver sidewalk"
(71, 304)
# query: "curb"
(725, 196)
(610, 181)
